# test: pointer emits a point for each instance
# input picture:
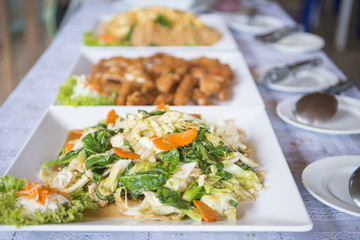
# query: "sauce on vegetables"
(109, 211)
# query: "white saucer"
(345, 121)
(327, 180)
(299, 42)
(310, 80)
(261, 24)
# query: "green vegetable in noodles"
(192, 213)
(96, 142)
(246, 178)
(156, 113)
(245, 167)
(126, 143)
(109, 198)
(97, 172)
(172, 198)
(101, 160)
(108, 185)
(233, 203)
(162, 20)
(142, 167)
(224, 175)
(140, 182)
(65, 159)
(129, 34)
(194, 192)
(170, 159)
(127, 169)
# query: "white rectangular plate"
(241, 91)
(214, 20)
(278, 207)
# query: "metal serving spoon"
(354, 186)
(318, 107)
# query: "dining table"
(24, 108)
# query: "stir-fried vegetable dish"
(159, 165)
(154, 26)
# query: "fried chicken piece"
(223, 71)
(184, 90)
(149, 87)
(166, 82)
(166, 98)
(198, 72)
(205, 62)
(139, 98)
(110, 86)
(209, 84)
(159, 69)
(222, 94)
(182, 69)
(126, 89)
(199, 97)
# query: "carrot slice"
(111, 117)
(38, 192)
(124, 154)
(77, 132)
(184, 138)
(69, 146)
(160, 106)
(195, 115)
(95, 86)
(163, 144)
(108, 38)
(206, 212)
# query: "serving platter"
(242, 90)
(213, 20)
(278, 207)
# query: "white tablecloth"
(22, 111)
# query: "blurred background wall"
(27, 27)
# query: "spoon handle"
(338, 88)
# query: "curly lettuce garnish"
(92, 96)
(12, 211)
